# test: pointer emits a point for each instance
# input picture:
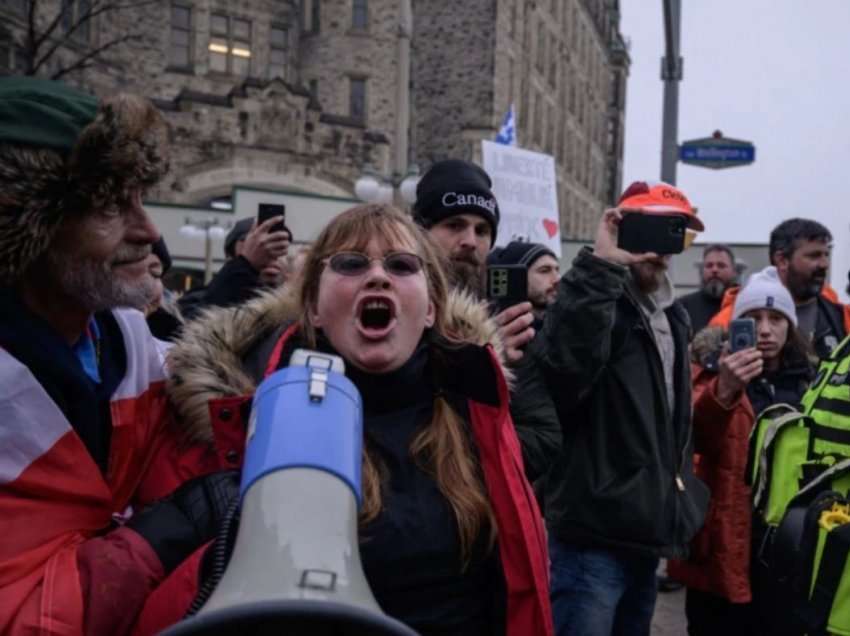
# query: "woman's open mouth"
(375, 317)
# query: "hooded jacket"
(225, 354)
(624, 479)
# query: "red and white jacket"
(61, 572)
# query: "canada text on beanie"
(453, 187)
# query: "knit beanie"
(62, 153)
(453, 187)
(764, 290)
(519, 253)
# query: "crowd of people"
(524, 470)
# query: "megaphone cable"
(220, 554)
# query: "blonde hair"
(442, 448)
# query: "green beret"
(43, 113)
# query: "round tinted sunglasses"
(356, 263)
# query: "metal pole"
(402, 119)
(671, 74)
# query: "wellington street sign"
(717, 152)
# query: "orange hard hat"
(659, 198)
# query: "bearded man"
(84, 445)
(717, 274)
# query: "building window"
(12, 59)
(359, 14)
(180, 51)
(76, 17)
(357, 99)
(230, 44)
(310, 13)
(278, 46)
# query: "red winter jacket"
(226, 336)
(719, 560)
(61, 570)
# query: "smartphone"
(662, 234)
(507, 285)
(266, 211)
(742, 334)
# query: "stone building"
(304, 94)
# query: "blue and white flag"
(507, 133)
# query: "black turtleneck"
(411, 551)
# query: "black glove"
(188, 518)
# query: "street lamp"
(374, 188)
(206, 229)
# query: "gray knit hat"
(764, 290)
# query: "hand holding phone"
(743, 364)
(507, 285)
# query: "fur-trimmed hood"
(208, 361)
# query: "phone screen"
(266, 211)
(742, 334)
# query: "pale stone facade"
(302, 95)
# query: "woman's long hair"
(442, 448)
(797, 350)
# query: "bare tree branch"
(38, 57)
(86, 60)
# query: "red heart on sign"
(551, 227)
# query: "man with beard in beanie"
(543, 273)
(455, 204)
(85, 452)
(718, 273)
(622, 493)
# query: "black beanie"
(519, 253)
(454, 187)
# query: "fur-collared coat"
(220, 360)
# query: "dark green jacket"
(624, 478)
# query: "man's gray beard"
(466, 276)
(714, 288)
(94, 287)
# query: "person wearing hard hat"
(622, 493)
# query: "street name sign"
(717, 152)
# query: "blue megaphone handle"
(305, 417)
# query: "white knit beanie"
(764, 290)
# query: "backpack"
(799, 469)
(808, 557)
(789, 448)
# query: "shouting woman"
(451, 539)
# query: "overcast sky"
(774, 72)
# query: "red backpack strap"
(274, 358)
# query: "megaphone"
(295, 566)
